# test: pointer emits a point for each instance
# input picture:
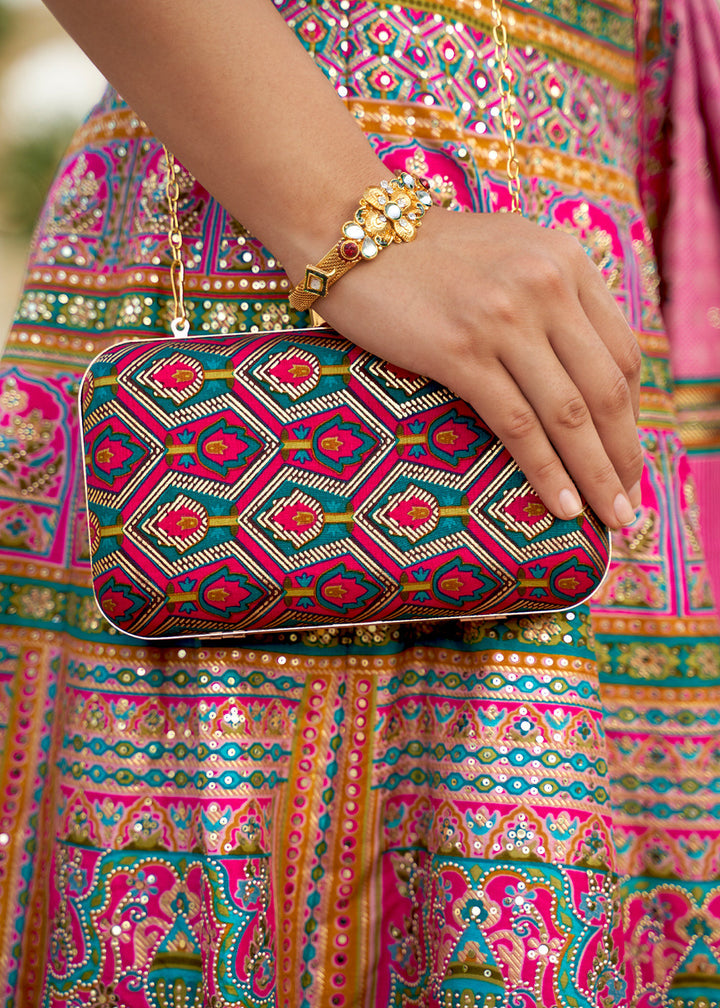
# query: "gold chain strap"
(180, 323)
(507, 114)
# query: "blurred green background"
(46, 87)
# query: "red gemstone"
(349, 249)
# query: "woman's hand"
(517, 321)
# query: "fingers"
(578, 368)
(596, 438)
(509, 414)
(606, 318)
(543, 420)
(607, 387)
(610, 407)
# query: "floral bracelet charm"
(389, 212)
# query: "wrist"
(313, 220)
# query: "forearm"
(227, 86)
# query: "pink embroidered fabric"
(680, 184)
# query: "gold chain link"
(507, 114)
(180, 323)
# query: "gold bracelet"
(389, 212)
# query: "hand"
(516, 320)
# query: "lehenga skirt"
(508, 813)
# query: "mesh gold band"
(389, 212)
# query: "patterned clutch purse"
(290, 479)
(249, 483)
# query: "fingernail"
(635, 496)
(570, 503)
(624, 510)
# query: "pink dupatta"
(680, 184)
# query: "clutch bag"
(288, 480)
